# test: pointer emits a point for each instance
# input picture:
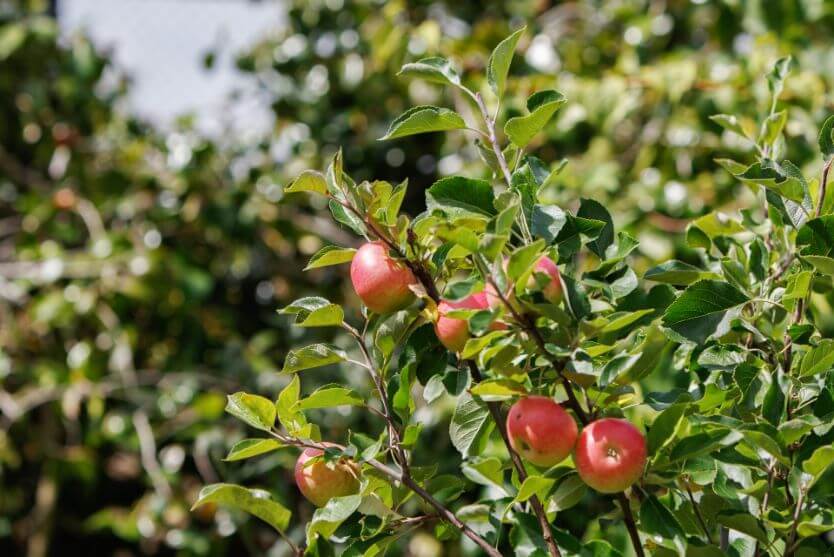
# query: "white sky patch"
(161, 44)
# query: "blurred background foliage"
(140, 268)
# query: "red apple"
(380, 281)
(453, 332)
(553, 290)
(541, 431)
(320, 481)
(610, 455)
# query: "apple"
(610, 455)
(541, 431)
(453, 332)
(553, 290)
(320, 481)
(380, 281)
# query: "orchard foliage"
(140, 266)
(736, 461)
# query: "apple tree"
(529, 316)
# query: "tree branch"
(408, 481)
(631, 525)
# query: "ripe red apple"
(453, 332)
(320, 481)
(541, 431)
(610, 455)
(380, 281)
(553, 290)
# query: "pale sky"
(161, 43)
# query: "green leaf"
(330, 255)
(776, 77)
(615, 367)
(702, 443)
(424, 119)
(664, 427)
(535, 485)
(818, 360)
(286, 408)
(522, 259)
(315, 312)
(696, 314)
(247, 448)
(309, 180)
(458, 196)
(677, 273)
(773, 405)
(343, 216)
(743, 522)
(469, 421)
(797, 288)
(498, 389)
(821, 263)
(257, 411)
(591, 209)
(313, 356)
(434, 69)
(657, 520)
(622, 320)
(485, 471)
(819, 461)
(816, 237)
(568, 493)
(328, 518)
(542, 106)
(253, 501)
(499, 62)
(330, 396)
(576, 231)
(772, 127)
(776, 179)
(547, 221)
(731, 123)
(826, 138)
(717, 224)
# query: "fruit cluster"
(609, 453)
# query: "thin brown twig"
(408, 481)
(791, 545)
(698, 515)
(823, 186)
(631, 525)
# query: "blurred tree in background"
(140, 270)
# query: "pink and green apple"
(454, 332)
(541, 431)
(610, 455)
(381, 282)
(320, 481)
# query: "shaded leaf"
(257, 411)
(424, 119)
(253, 501)
(498, 65)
